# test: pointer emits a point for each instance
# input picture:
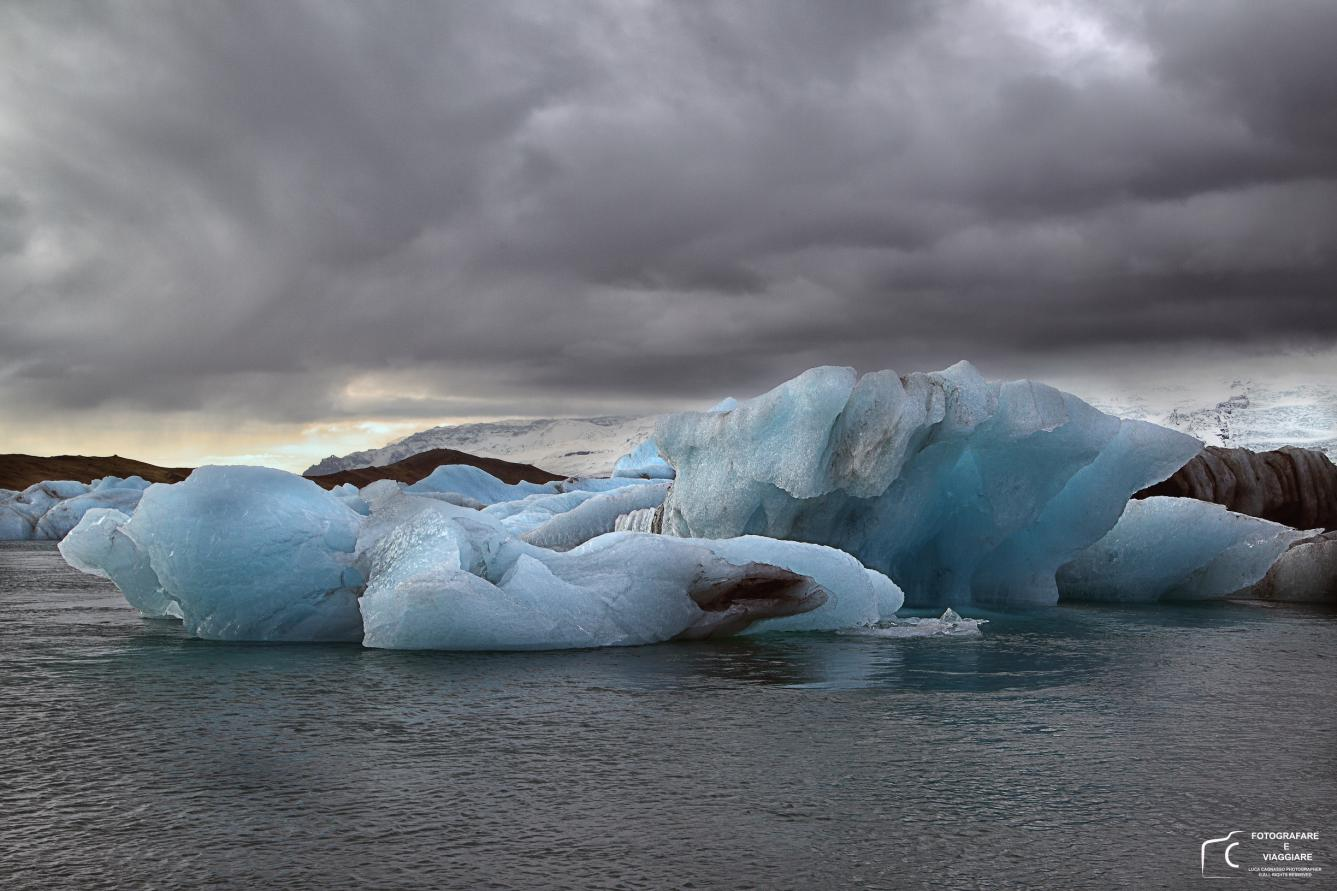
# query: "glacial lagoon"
(1077, 746)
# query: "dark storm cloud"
(244, 206)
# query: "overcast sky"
(227, 227)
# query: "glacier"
(962, 491)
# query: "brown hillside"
(21, 471)
(416, 467)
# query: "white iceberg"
(441, 577)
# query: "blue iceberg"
(960, 490)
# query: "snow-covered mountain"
(572, 446)
(1235, 413)
(1249, 415)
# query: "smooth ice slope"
(1176, 549)
(959, 489)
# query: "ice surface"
(245, 553)
(644, 462)
(533, 511)
(960, 490)
(638, 521)
(47, 511)
(1175, 549)
(484, 488)
(116, 482)
(62, 516)
(473, 482)
(949, 624)
(857, 596)
(594, 516)
(441, 577)
(99, 546)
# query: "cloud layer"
(297, 213)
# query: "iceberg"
(249, 553)
(1176, 549)
(958, 489)
(484, 488)
(442, 577)
(47, 511)
(64, 515)
(241, 553)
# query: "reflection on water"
(1074, 747)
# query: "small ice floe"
(949, 624)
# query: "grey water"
(1071, 748)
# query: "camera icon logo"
(1217, 862)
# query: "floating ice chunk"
(249, 553)
(439, 579)
(949, 624)
(116, 482)
(473, 482)
(64, 515)
(644, 462)
(59, 489)
(958, 489)
(99, 546)
(1175, 549)
(15, 524)
(595, 516)
(483, 487)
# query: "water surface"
(1078, 747)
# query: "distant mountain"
(1251, 416)
(1244, 415)
(21, 471)
(568, 446)
(419, 466)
